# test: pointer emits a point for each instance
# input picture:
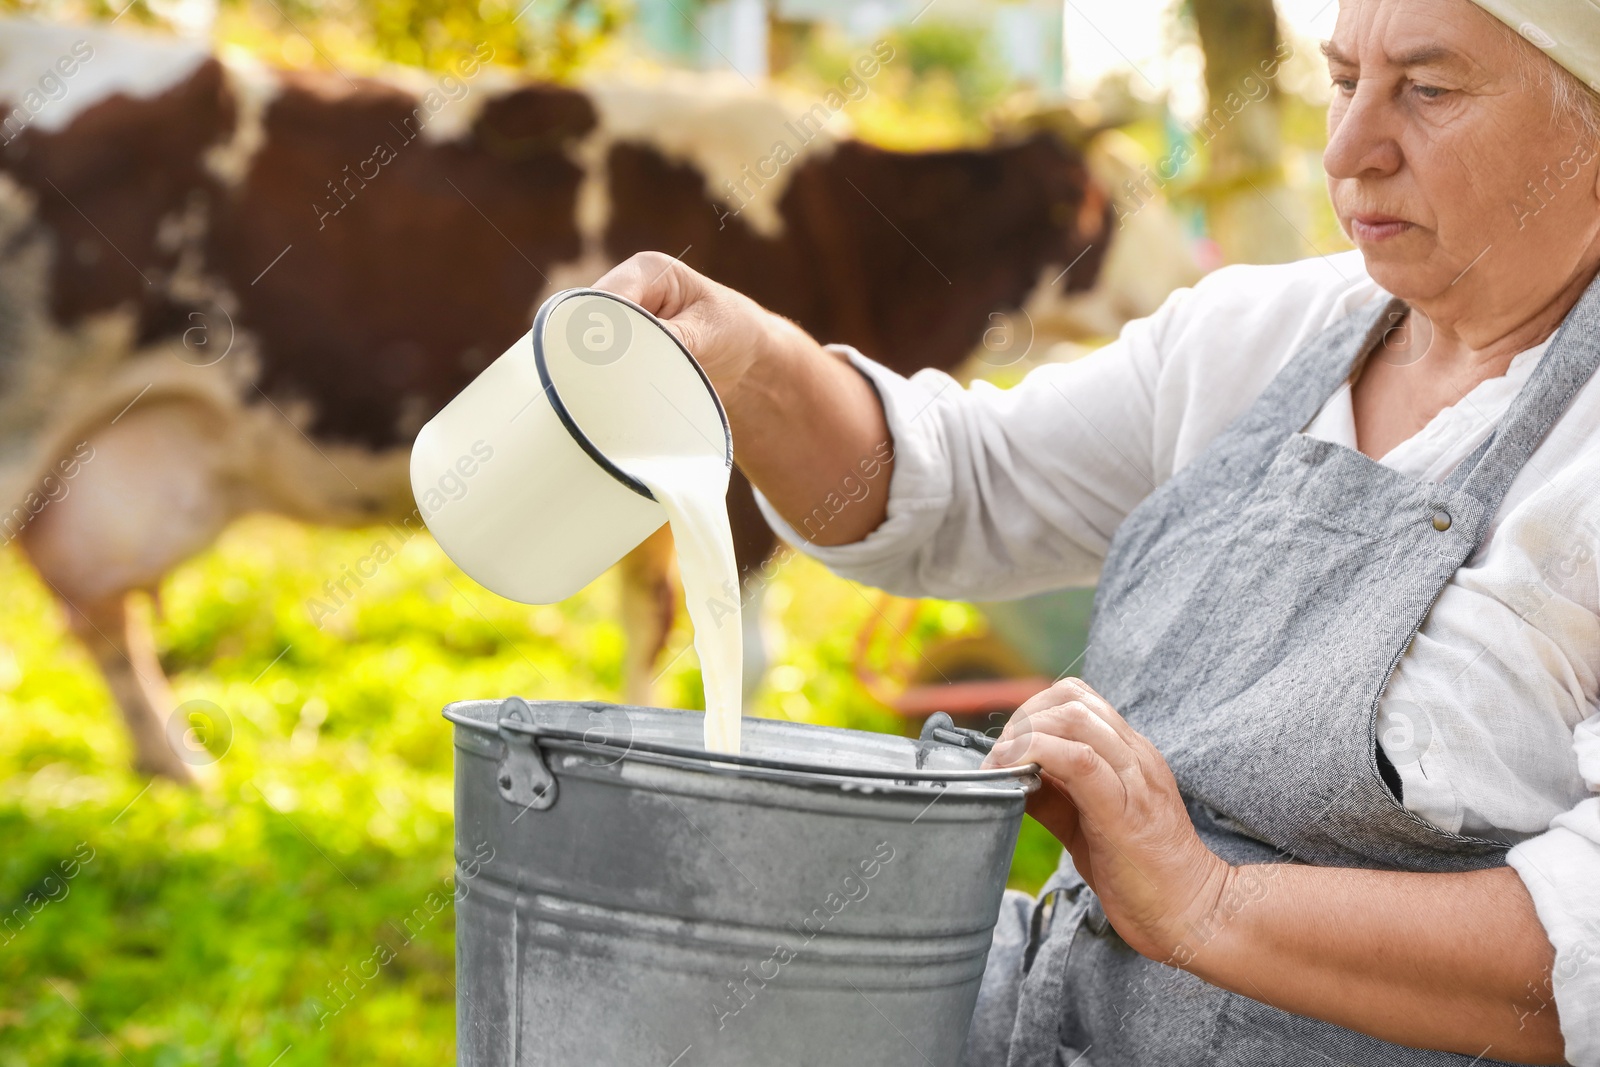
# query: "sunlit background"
(207, 925)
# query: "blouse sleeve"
(1561, 869)
(999, 493)
(1002, 493)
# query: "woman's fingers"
(1070, 710)
(722, 329)
(1095, 787)
(1073, 721)
(1080, 690)
(1058, 693)
(662, 286)
(651, 280)
(1066, 691)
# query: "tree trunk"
(1254, 216)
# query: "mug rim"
(571, 424)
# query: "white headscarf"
(1568, 31)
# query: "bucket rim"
(560, 406)
(1024, 775)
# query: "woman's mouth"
(1373, 228)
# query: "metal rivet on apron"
(1441, 521)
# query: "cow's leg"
(649, 597)
(123, 650)
(146, 492)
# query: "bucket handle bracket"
(941, 729)
(522, 776)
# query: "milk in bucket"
(600, 426)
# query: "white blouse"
(1490, 719)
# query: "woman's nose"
(1362, 135)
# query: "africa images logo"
(599, 331)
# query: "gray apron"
(1249, 616)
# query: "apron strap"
(1458, 477)
(1564, 370)
(1299, 391)
(1295, 395)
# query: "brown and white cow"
(225, 288)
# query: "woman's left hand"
(1110, 798)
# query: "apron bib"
(1249, 616)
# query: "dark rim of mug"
(566, 416)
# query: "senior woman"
(1331, 796)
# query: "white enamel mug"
(523, 477)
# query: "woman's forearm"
(1457, 962)
(809, 432)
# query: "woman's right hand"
(804, 421)
(725, 330)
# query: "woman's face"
(1457, 183)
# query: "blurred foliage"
(1305, 134)
(938, 91)
(544, 38)
(208, 924)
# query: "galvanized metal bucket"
(624, 898)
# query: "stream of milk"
(694, 492)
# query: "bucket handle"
(523, 778)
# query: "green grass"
(205, 926)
